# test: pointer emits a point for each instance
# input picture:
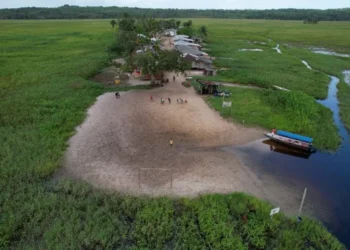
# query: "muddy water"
(327, 176)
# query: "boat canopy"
(294, 136)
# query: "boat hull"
(304, 146)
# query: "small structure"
(183, 39)
(207, 87)
(170, 32)
(183, 43)
(209, 72)
(187, 49)
(198, 62)
(181, 36)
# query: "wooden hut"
(207, 87)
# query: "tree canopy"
(76, 12)
(139, 41)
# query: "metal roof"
(295, 136)
(186, 49)
(186, 44)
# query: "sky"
(185, 4)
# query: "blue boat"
(292, 140)
(295, 136)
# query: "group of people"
(181, 101)
(162, 101)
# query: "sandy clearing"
(123, 145)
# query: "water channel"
(326, 175)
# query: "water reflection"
(280, 148)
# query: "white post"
(302, 201)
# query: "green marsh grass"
(291, 111)
(44, 95)
(331, 65)
(268, 68)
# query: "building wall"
(200, 65)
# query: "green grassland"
(44, 94)
(293, 110)
(268, 68)
(332, 35)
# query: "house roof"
(183, 39)
(192, 57)
(207, 82)
(179, 43)
(181, 36)
(186, 49)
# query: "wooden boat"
(292, 140)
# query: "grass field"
(44, 94)
(295, 111)
(332, 35)
(267, 68)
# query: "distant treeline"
(76, 12)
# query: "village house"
(170, 32)
(188, 40)
(207, 87)
(181, 36)
(183, 43)
(186, 49)
(198, 62)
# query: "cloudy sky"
(184, 4)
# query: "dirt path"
(124, 145)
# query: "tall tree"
(203, 31)
(187, 24)
(152, 60)
(113, 23)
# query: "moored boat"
(293, 140)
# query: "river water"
(327, 176)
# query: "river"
(327, 176)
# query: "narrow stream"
(306, 64)
(325, 175)
(277, 48)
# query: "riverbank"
(331, 65)
(291, 111)
(45, 95)
(138, 131)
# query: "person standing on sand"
(171, 143)
(169, 100)
(151, 98)
(174, 78)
